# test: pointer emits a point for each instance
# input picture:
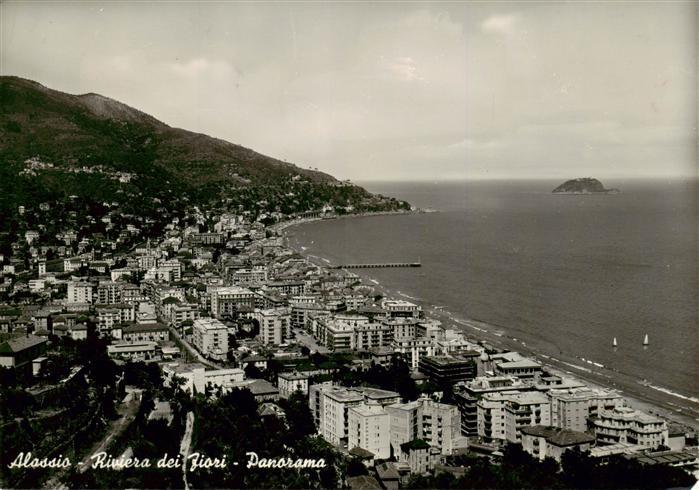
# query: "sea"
(562, 274)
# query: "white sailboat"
(645, 340)
(614, 343)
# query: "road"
(185, 446)
(303, 338)
(195, 353)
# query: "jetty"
(377, 265)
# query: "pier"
(378, 265)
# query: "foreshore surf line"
(640, 394)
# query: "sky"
(390, 91)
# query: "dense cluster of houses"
(228, 292)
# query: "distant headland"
(583, 185)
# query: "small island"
(583, 185)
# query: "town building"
(107, 293)
(292, 382)
(448, 370)
(467, 395)
(502, 415)
(195, 378)
(371, 336)
(626, 425)
(330, 405)
(133, 351)
(437, 423)
(525, 409)
(551, 442)
(368, 428)
(152, 332)
(79, 292)
(571, 408)
(210, 337)
(419, 455)
(275, 325)
(397, 308)
(413, 349)
(19, 352)
(225, 301)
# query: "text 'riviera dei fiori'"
(195, 461)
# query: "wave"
(670, 392)
(408, 296)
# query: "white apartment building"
(337, 332)
(414, 348)
(247, 277)
(335, 419)
(108, 293)
(210, 337)
(571, 408)
(302, 311)
(79, 292)
(403, 328)
(339, 335)
(491, 415)
(628, 426)
(502, 415)
(369, 429)
(525, 410)
(226, 300)
(175, 268)
(371, 335)
(182, 313)
(275, 325)
(330, 406)
(107, 318)
(400, 308)
(195, 378)
(438, 424)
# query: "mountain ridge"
(108, 109)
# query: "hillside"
(92, 129)
(54, 145)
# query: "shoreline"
(642, 396)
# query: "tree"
(355, 467)
(252, 371)
(298, 415)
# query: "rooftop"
(294, 375)
(344, 395)
(209, 324)
(144, 327)
(448, 360)
(368, 410)
(19, 344)
(557, 436)
(377, 393)
(414, 444)
(521, 364)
